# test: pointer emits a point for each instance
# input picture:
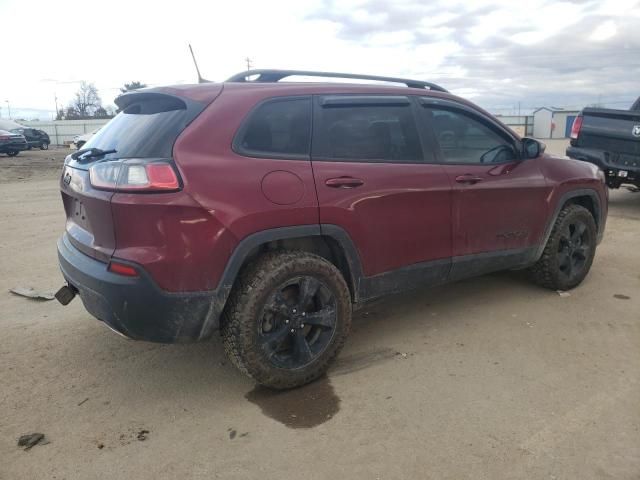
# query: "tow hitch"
(66, 294)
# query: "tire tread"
(544, 271)
(241, 309)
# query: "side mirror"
(532, 148)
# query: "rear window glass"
(277, 127)
(146, 129)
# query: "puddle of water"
(303, 407)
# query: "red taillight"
(4, 138)
(162, 176)
(134, 176)
(575, 128)
(122, 269)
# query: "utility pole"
(8, 108)
(55, 97)
(249, 65)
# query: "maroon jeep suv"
(267, 210)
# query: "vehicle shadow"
(202, 369)
(456, 299)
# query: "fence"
(61, 132)
(522, 124)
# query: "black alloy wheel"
(574, 249)
(297, 322)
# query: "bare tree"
(71, 113)
(86, 100)
(135, 85)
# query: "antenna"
(200, 79)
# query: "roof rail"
(272, 76)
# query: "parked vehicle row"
(35, 138)
(19, 139)
(268, 210)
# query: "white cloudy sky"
(536, 52)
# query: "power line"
(616, 52)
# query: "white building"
(551, 122)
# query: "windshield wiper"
(87, 153)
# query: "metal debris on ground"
(30, 440)
(30, 292)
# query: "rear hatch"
(614, 131)
(144, 131)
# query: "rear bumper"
(12, 147)
(606, 162)
(137, 307)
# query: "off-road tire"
(244, 309)
(546, 272)
(13, 153)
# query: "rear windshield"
(145, 129)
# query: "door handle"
(343, 182)
(468, 179)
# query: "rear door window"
(277, 128)
(367, 129)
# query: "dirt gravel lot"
(491, 378)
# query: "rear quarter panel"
(171, 236)
(225, 189)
